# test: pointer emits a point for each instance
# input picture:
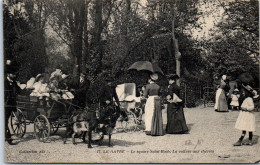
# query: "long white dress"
(149, 111)
(246, 119)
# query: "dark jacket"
(152, 90)
(80, 88)
(11, 91)
(108, 93)
(174, 88)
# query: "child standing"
(235, 96)
(246, 119)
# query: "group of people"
(176, 123)
(242, 100)
(53, 88)
(230, 94)
(58, 87)
(45, 88)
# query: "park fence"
(192, 94)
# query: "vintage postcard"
(131, 81)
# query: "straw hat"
(251, 91)
(38, 77)
(154, 76)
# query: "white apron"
(149, 111)
(217, 97)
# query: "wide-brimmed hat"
(38, 77)
(249, 89)
(154, 76)
(173, 76)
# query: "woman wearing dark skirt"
(176, 123)
(153, 113)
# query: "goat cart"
(46, 119)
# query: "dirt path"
(210, 141)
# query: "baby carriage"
(132, 105)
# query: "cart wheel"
(54, 128)
(18, 123)
(131, 124)
(42, 128)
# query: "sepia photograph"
(131, 81)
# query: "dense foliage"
(234, 49)
(110, 35)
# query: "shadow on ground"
(254, 140)
(117, 142)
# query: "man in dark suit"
(109, 99)
(11, 90)
(79, 86)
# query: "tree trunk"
(125, 19)
(96, 40)
(76, 21)
(85, 34)
(177, 54)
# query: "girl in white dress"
(246, 119)
(235, 96)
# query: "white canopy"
(126, 92)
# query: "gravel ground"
(210, 141)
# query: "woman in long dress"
(153, 113)
(221, 101)
(176, 122)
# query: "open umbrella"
(146, 65)
(246, 78)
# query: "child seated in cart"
(40, 89)
(58, 88)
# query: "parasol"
(146, 65)
(246, 78)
